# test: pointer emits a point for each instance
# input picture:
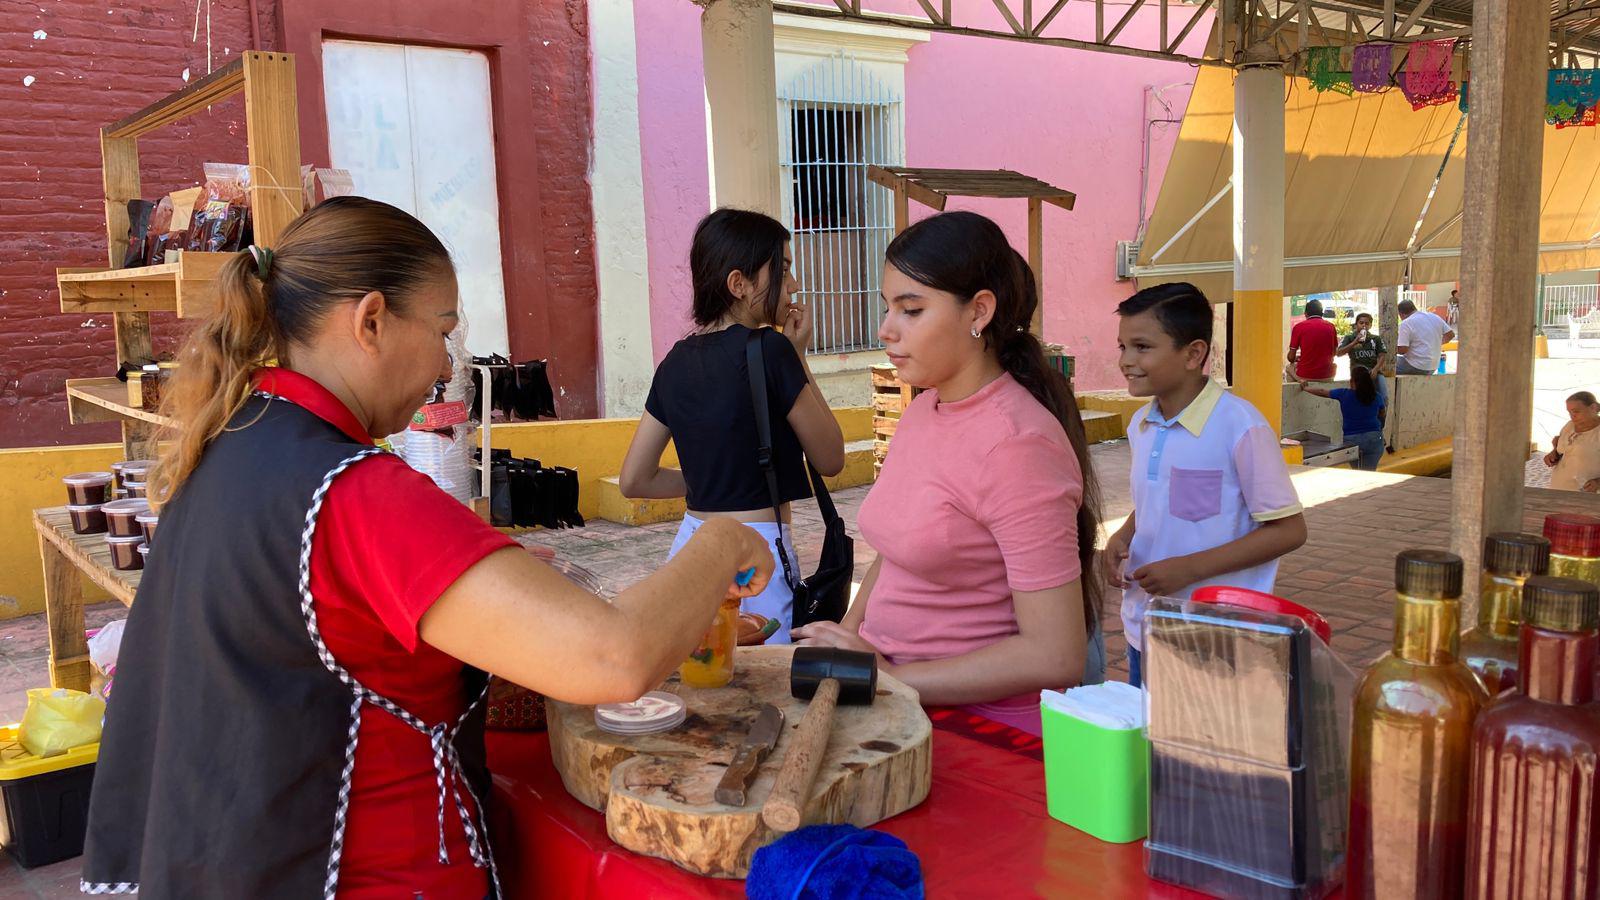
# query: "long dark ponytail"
(962, 253)
(1361, 382)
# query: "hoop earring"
(975, 331)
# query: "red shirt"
(1316, 339)
(388, 543)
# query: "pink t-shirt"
(977, 498)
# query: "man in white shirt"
(1422, 335)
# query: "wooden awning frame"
(934, 187)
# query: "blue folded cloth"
(835, 862)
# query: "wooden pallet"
(890, 398)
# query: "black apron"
(230, 739)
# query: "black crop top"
(701, 392)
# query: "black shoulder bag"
(826, 594)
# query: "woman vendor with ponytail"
(985, 514)
(299, 700)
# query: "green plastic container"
(1096, 779)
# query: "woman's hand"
(1113, 558)
(751, 552)
(832, 634)
(797, 327)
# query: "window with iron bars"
(835, 120)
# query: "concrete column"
(1389, 330)
(1258, 184)
(1499, 259)
(617, 192)
(742, 92)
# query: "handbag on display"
(826, 594)
(521, 391)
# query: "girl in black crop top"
(700, 397)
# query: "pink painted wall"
(1072, 118)
(673, 153)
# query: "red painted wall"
(100, 61)
(539, 67)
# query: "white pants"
(777, 601)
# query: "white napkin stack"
(1115, 705)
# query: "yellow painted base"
(1258, 356)
(1293, 455)
(1541, 347)
(1432, 458)
(1120, 403)
(1099, 427)
(31, 479)
(858, 470)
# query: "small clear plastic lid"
(87, 479)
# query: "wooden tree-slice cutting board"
(657, 790)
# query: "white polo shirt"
(1422, 333)
(1201, 479)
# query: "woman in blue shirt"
(1362, 407)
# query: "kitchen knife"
(763, 736)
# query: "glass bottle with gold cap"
(1490, 647)
(1574, 546)
(1411, 743)
(1534, 828)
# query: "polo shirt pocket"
(1195, 494)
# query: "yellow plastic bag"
(59, 719)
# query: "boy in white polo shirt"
(1212, 500)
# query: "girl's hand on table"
(832, 634)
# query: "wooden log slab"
(657, 791)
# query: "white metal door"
(834, 119)
(415, 128)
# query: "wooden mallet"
(827, 677)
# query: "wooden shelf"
(105, 400)
(87, 552)
(183, 287)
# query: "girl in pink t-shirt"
(985, 514)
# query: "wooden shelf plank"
(88, 552)
(219, 85)
(105, 400)
(183, 287)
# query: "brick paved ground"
(1357, 522)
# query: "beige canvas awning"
(1359, 172)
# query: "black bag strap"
(755, 361)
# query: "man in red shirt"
(1311, 345)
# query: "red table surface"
(982, 832)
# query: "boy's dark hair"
(1180, 307)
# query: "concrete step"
(858, 470)
(1100, 427)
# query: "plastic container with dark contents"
(122, 517)
(144, 555)
(125, 552)
(88, 519)
(46, 801)
(130, 469)
(136, 490)
(88, 488)
(147, 525)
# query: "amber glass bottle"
(1490, 648)
(1411, 744)
(1534, 829)
(1574, 546)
